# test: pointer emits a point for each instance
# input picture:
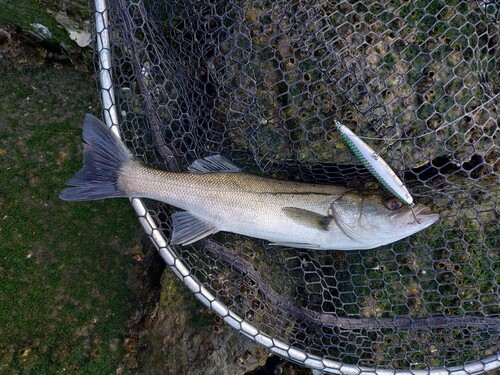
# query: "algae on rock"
(186, 338)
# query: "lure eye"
(393, 204)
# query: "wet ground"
(65, 299)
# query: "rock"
(78, 31)
(64, 30)
(187, 338)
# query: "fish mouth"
(422, 215)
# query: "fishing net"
(262, 82)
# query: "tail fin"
(103, 156)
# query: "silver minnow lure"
(216, 196)
(375, 164)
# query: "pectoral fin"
(189, 228)
(307, 218)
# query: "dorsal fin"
(213, 164)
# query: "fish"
(215, 195)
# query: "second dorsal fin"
(213, 164)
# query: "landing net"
(262, 82)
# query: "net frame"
(176, 264)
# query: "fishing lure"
(375, 164)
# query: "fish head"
(373, 220)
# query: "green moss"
(369, 18)
(394, 4)
(444, 104)
(413, 76)
(457, 21)
(434, 7)
(360, 8)
(410, 52)
(405, 10)
(441, 52)
(27, 14)
(439, 28)
(425, 111)
(390, 59)
(63, 297)
(426, 23)
(386, 17)
(468, 30)
(416, 15)
(421, 61)
(376, 8)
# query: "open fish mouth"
(423, 215)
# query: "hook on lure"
(376, 165)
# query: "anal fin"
(296, 245)
(188, 228)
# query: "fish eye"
(393, 204)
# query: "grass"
(64, 300)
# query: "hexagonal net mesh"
(262, 82)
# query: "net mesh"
(262, 82)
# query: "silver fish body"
(217, 196)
